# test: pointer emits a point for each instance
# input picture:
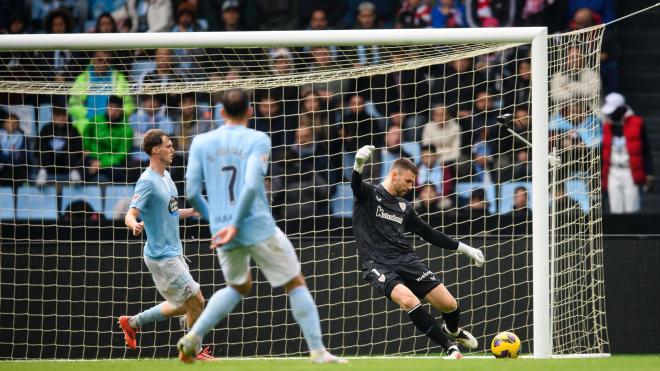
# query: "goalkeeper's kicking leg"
(422, 319)
(442, 300)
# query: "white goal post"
(497, 38)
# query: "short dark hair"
(520, 188)
(116, 100)
(235, 102)
(405, 164)
(152, 138)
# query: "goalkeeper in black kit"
(381, 217)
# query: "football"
(505, 345)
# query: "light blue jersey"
(232, 161)
(156, 198)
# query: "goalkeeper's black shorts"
(415, 275)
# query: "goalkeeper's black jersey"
(380, 221)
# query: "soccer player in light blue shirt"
(232, 161)
(155, 201)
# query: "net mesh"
(69, 164)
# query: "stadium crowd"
(442, 117)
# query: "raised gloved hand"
(361, 157)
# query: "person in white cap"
(626, 156)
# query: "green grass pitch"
(651, 362)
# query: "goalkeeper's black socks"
(429, 326)
(451, 320)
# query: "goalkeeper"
(381, 217)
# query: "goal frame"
(536, 36)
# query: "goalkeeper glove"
(472, 253)
(361, 157)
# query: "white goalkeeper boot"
(453, 353)
(323, 356)
(461, 336)
(189, 346)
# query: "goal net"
(72, 125)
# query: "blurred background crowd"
(442, 116)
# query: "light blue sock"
(219, 307)
(305, 312)
(153, 314)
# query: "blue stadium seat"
(578, 191)
(89, 193)
(464, 189)
(115, 194)
(341, 203)
(506, 195)
(6, 203)
(44, 116)
(36, 203)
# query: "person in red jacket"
(626, 156)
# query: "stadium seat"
(341, 203)
(89, 193)
(506, 195)
(44, 116)
(6, 203)
(36, 203)
(464, 189)
(114, 195)
(578, 191)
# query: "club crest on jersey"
(402, 205)
(173, 206)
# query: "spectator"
(414, 14)
(105, 24)
(551, 14)
(150, 115)
(427, 201)
(626, 157)
(603, 8)
(193, 119)
(13, 152)
(357, 128)
(299, 190)
(458, 80)
(432, 171)
(383, 10)
(269, 119)
(477, 208)
(518, 220)
(231, 16)
(367, 20)
(521, 201)
(517, 86)
(576, 80)
(275, 15)
(448, 14)
(322, 14)
(384, 157)
(108, 140)
(490, 13)
(186, 61)
(323, 60)
(152, 16)
(162, 75)
(60, 150)
(42, 8)
(84, 107)
(443, 134)
(15, 64)
(63, 65)
(610, 50)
